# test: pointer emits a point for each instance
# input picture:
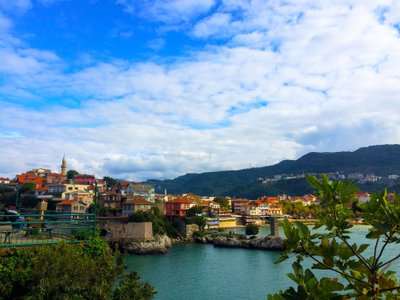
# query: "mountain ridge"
(380, 160)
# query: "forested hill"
(379, 160)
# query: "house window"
(70, 188)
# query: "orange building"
(177, 207)
(30, 177)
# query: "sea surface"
(197, 271)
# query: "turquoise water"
(196, 271)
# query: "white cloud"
(303, 76)
(5, 23)
(167, 11)
(217, 23)
(15, 6)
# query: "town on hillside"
(360, 177)
(69, 192)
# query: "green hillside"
(380, 160)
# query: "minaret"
(64, 167)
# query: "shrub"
(252, 229)
(200, 234)
(67, 271)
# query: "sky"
(140, 89)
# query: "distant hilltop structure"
(64, 167)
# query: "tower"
(64, 167)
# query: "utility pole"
(96, 191)
(17, 198)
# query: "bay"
(197, 271)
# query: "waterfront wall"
(116, 232)
(188, 230)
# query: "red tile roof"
(240, 200)
(138, 201)
(67, 202)
(180, 200)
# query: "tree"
(7, 195)
(252, 229)
(29, 201)
(361, 277)
(110, 181)
(194, 211)
(27, 187)
(296, 209)
(71, 174)
(160, 222)
(200, 221)
(223, 202)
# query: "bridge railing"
(33, 228)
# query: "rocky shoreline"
(270, 243)
(160, 244)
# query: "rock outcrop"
(159, 245)
(272, 243)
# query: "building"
(84, 196)
(144, 190)
(263, 207)
(221, 222)
(252, 209)
(209, 205)
(84, 179)
(41, 172)
(177, 207)
(30, 177)
(58, 191)
(239, 206)
(110, 199)
(135, 204)
(71, 207)
(363, 197)
(4, 180)
(123, 187)
(51, 178)
(274, 209)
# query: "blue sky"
(156, 89)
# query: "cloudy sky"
(156, 89)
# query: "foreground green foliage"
(354, 275)
(68, 271)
